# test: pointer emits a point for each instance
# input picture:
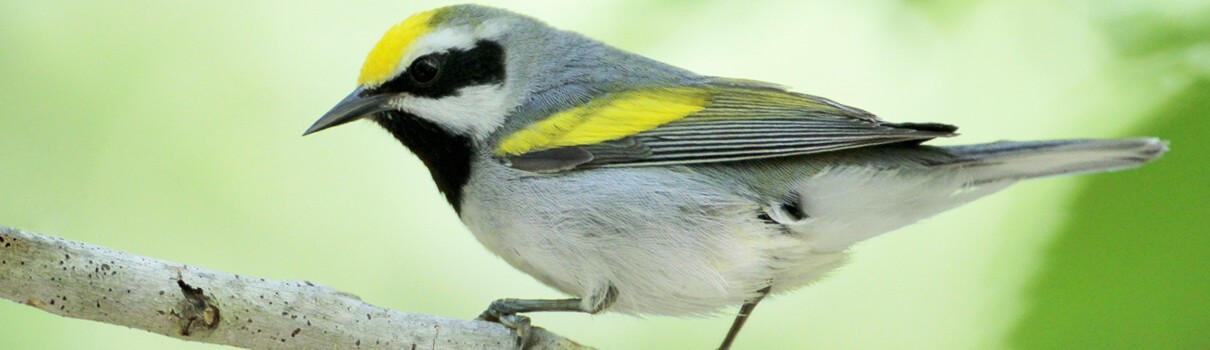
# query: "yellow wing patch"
(607, 118)
(382, 61)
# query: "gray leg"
(505, 311)
(744, 312)
(504, 307)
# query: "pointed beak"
(357, 105)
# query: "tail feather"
(1000, 161)
(848, 204)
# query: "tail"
(994, 162)
(851, 204)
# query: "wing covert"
(726, 120)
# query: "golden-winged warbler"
(642, 188)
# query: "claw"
(522, 325)
(505, 312)
(500, 313)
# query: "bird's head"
(447, 67)
(449, 81)
(464, 82)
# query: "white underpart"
(667, 244)
(475, 111)
(671, 245)
(671, 241)
(846, 205)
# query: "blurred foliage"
(944, 10)
(1149, 33)
(1130, 268)
(171, 130)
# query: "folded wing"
(725, 120)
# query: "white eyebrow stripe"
(440, 40)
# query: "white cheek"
(475, 110)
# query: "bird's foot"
(506, 312)
(500, 313)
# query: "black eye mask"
(442, 74)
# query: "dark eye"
(425, 69)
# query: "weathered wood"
(79, 280)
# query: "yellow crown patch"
(383, 60)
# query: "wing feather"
(741, 120)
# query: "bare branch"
(78, 280)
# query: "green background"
(171, 129)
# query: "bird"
(637, 187)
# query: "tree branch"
(78, 280)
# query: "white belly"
(669, 245)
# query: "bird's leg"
(505, 311)
(744, 312)
(504, 307)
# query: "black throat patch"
(447, 153)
